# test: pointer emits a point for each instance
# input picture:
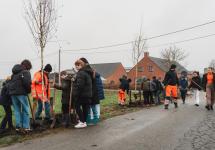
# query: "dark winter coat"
(66, 90)
(171, 78)
(5, 98)
(145, 86)
(20, 83)
(100, 87)
(196, 83)
(183, 83)
(98, 92)
(82, 86)
(124, 84)
(204, 81)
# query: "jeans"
(157, 97)
(21, 111)
(40, 108)
(94, 112)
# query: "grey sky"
(92, 23)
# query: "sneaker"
(197, 105)
(81, 125)
(18, 129)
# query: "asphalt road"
(186, 128)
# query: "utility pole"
(59, 65)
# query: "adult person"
(6, 102)
(98, 95)
(19, 88)
(171, 82)
(82, 92)
(123, 87)
(196, 85)
(145, 87)
(41, 93)
(208, 83)
(157, 90)
(183, 85)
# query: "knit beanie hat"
(48, 68)
(173, 66)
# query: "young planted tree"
(41, 17)
(173, 54)
(139, 46)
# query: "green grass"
(109, 108)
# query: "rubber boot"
(176, 105)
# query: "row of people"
(84, 91)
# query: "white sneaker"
(81, 125)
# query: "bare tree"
(212, 63)
(139, 46)
(173, 54)
(41, 17)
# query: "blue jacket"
(183, 83)
(99, 86)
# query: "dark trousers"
(8, 118)
(147, 95)
(65, 108)
(183, 94)
(82, 111)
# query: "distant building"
(110, 72)
(152, 66)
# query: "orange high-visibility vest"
(36, 87)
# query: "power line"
(153, 37)
(182, 41)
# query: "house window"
(140, 69)
(150, 69)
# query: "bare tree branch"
(173, 54)
(139, 46)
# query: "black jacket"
(82, 86)
(196, 83)
(66, 90)
(171, 78)
(204, 81)
(5, 97)
(20, 83)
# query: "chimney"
(146, 54)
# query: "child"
(6, 102)
(66, 90)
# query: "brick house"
(151, 66)
(110, 73)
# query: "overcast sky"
(93, 23)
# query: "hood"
(88, 69)
(17, 69)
